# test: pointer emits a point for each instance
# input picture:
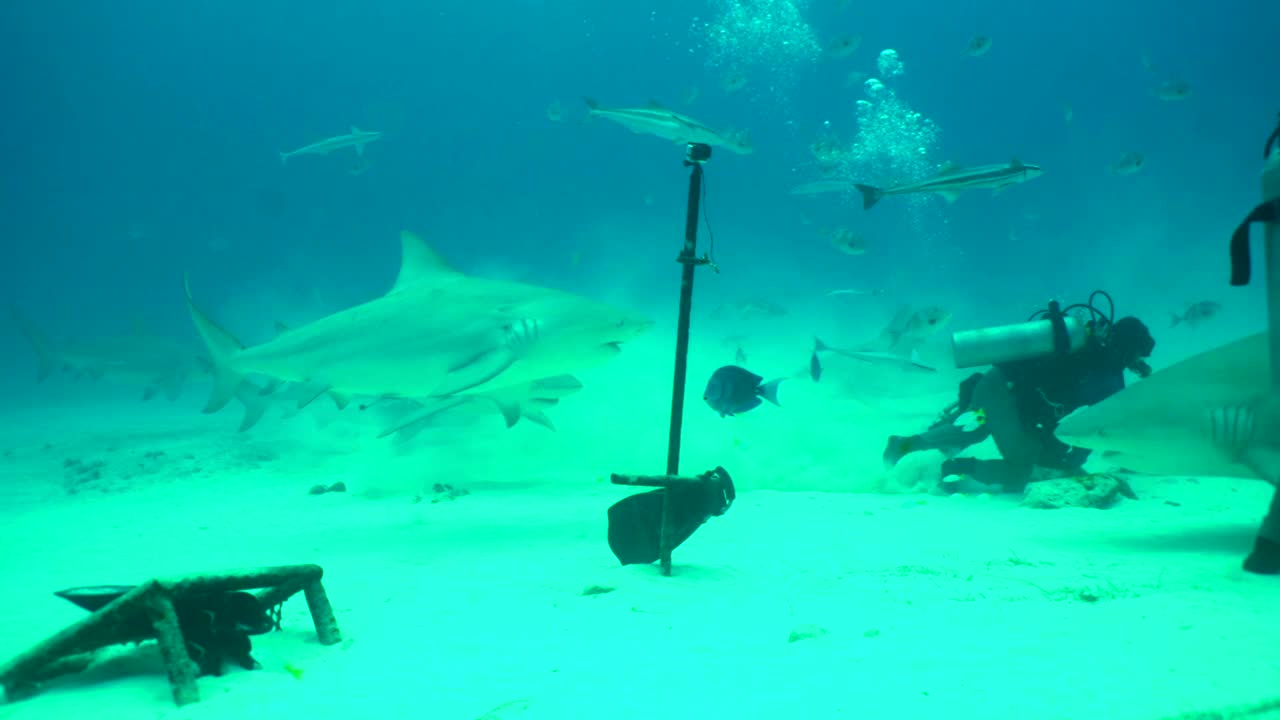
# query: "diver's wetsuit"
(1022, 402)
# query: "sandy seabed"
(803, 601)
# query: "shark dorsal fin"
(355, 130)
(419, 264)
(655, 105)
(948, 168)
(1016, 164)
(281, 328)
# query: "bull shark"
(159, 364)
(357, 139)
(1211, 414)
(670, 125)
(406, 418)
(436, 333)
(952, 180)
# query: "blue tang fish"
(732, 390)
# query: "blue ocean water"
(142, 141)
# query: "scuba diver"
(1041, 371)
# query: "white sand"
(923, 606)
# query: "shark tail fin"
(769, 391)
(870, 195)
(222, 346)
(44, 351)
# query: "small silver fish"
(847, 241)
(1173, 90)
(733, 82)
(855, 291)
(1195, 314)
(1128, 164)
(978, 46)
(844, 46)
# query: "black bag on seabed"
(635, 522)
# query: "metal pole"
(689, 260)
(1271, 243)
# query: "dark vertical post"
(173, 647)
(321, 613)
(689, 259)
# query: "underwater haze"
(392, 288)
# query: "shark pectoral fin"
(255, 405)
(273, 384)
(340, 399)
(557, 386)
(476, 371)
(510, 411)
(949, 195)
(311, 396)
(1262, 454)
(406, 430)
(1265, 462)
(997, 190)
(540, 418)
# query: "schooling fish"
(732, 390)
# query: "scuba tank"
(1047, 332)
(1007, 343)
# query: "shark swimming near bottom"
(437, 333)
(1212, 414)
(159, 364)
